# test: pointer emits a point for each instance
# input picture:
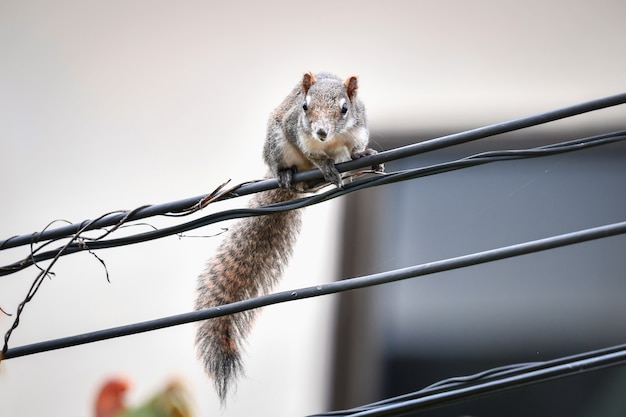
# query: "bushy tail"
(247, 264)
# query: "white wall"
(111, 105)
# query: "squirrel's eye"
(344, 108)
(305, 106)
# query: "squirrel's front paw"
(367, 152)
(332, 175)
(285, 177)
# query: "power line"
(488, 383)
(311, 175)
(444, 392)
(380, 179)
(325, 289)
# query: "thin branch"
(44, 272)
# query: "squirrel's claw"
(368, 152)
(285, 177)
(331, 174)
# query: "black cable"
(443, 392)
(249, 188)
(324, 289)
(551, 371)
(381, 179)
(477, 378)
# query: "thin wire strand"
(43, 273)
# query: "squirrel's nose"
(321, 133)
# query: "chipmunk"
(320, 123)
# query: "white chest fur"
(339, 147)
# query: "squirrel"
(320, 123)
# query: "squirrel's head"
(330, 105)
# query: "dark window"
(400, 337)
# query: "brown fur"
(351, 86)
(310, 128)
(248, 263)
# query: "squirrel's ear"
(351, 86)
(307, 81)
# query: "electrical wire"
(311, 175)
(325, 289)
(440, 393)
(479, 377)
(377, 180)
(487, 383)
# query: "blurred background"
(112, 105)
